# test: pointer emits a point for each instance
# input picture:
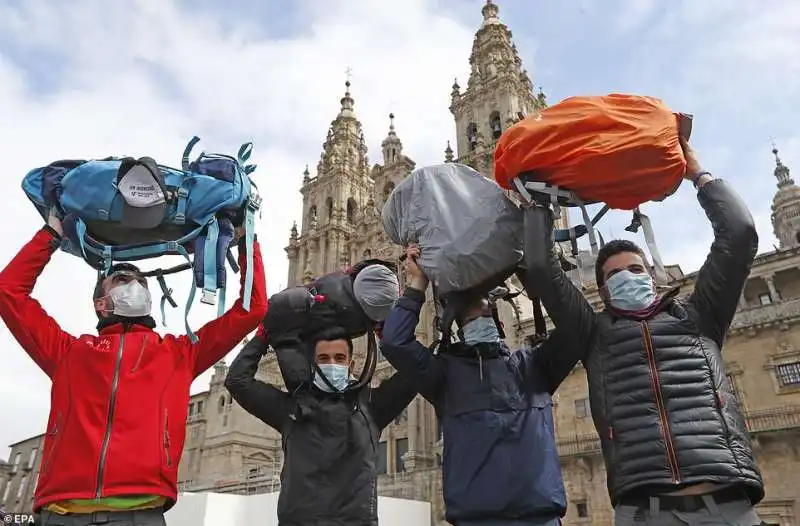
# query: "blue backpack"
(125, 209)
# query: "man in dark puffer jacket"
(675, 444)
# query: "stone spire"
(781, 172)
(785, 206)
(499, 92)
(494, 55)
(448, 153)
(391, 146)
(344, 149)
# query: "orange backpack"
(622, 150)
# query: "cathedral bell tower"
(785, 206)
(331, 199)
(499, 93)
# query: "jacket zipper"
(166, 438)
(53, 434)
(662, 413)
(101, 467)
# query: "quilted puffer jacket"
(661, 402)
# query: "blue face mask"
(481, 330)
(629, 291)
(337, 375)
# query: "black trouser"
(153, 517)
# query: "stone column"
(742, 301)
(413, 425)
(773, 292)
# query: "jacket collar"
(120, 325)
(484, 350)
(664, 302)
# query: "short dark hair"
(612, 248)
(332, 334)
(119, 267)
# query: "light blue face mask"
(481, 330)
(337, 375)
(630, 291)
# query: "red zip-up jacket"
(118, 403)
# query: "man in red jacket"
(118, 403)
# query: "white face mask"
(131, 300)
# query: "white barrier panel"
(213, 509)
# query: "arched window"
(495, 125)
(367, 254)
(312, 214)
(388, 188)
(329, 208)
(221, 406)
(472, 135)
(352, 209)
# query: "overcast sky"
(93, 78)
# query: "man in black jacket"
(675, 444)
(329, 433)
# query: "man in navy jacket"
(500, 465)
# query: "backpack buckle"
(209, 297)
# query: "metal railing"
(774, 419)
(764, 314)
(578, 445)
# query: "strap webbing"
(249, 240)
(244, 153)
(188, 151)
(166, 296)
(652, 247)
(210, 263)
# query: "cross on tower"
(349, 73)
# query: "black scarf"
(114, 319)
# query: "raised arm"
(262, 400)
(722, 277)
(219, 337)
(390, 398)
(549, 362)
(38, 334)
(544, 278)
(410, 357)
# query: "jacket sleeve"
(219, 337)
(544, 278)
(722, 277)
(390, 398)
(262, 400)
(410, 357)
(546, 364)
(38, 334)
